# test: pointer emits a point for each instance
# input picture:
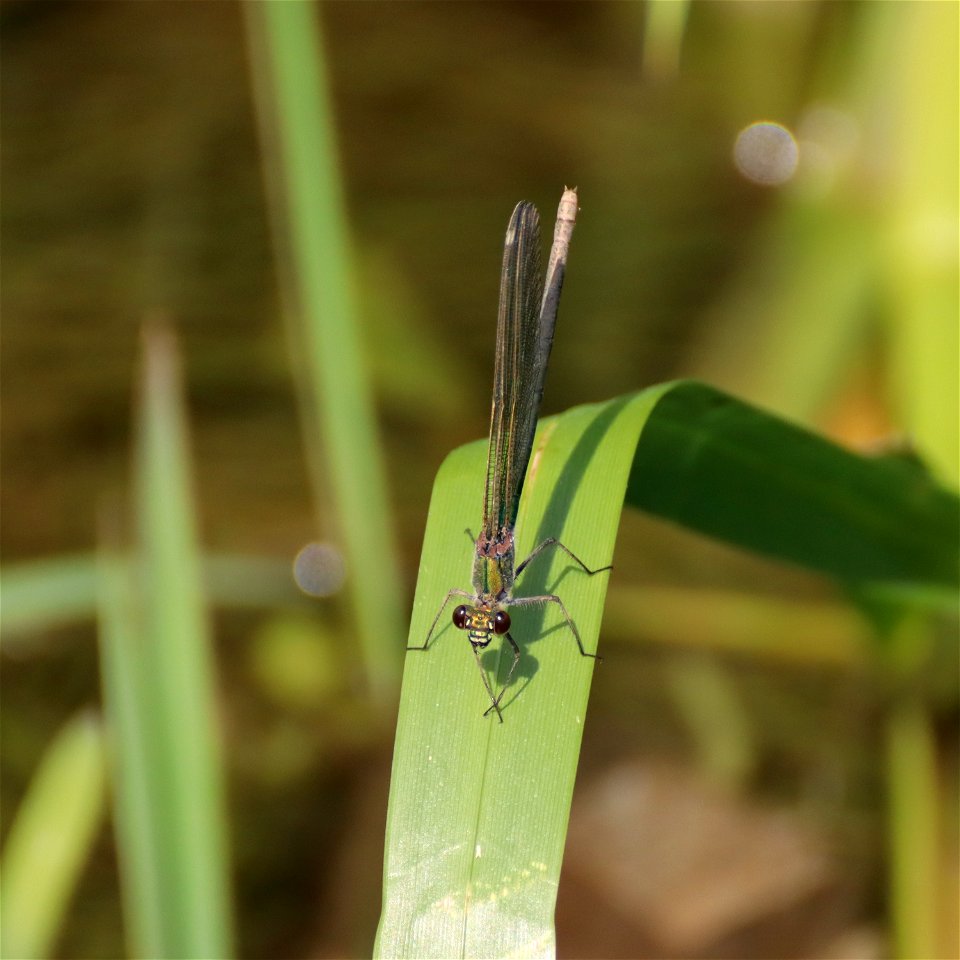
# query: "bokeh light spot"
(766, 153)
(319, 569)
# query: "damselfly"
(528, 313)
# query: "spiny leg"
(513, 666)
(554, 542)
(443, 606)
(552, 598)
(494, 701)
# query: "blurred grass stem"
(306, 195)
(159, 693)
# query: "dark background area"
(132, 184)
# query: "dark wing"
(518, 374)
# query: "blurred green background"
(740, 698)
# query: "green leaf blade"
(720, 466)
(159, 693)
(50, 840)
(478, 810)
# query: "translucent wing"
(519, 370)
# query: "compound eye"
(501, 622)
(460, 617)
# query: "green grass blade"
(50, 839)
(915, 840)
(478, 811)
(43, 593)
(722, 467)
(159, 692)
(665, 22)
(135, 738)
(297, 123)
(40, 595)
(793, 366)
(921, 266)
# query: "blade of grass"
(776, 629)
(478, 811)
(42, 594)
(159, 693)
(297, 131)
(914, 840)
(134, 745)
(665, 22)
(916, 798)
(48, 592)
(813, 270)
(717, 465)
(921, 265)
(50, 839)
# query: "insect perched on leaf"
(528, 313)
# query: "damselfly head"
(480, 621)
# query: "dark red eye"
(460, 617)
(501, 622)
